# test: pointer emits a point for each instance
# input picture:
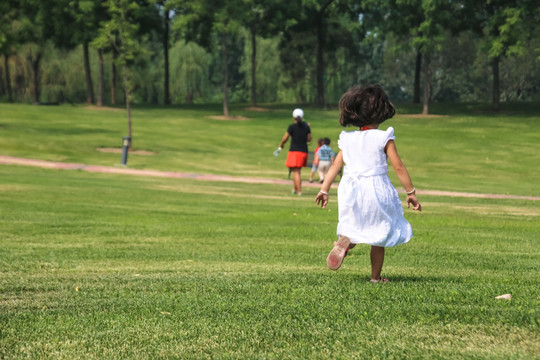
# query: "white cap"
(298, 113)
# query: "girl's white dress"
(370, 211)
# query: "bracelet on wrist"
(323, 192)
(410, 192)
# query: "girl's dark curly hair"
(361, 106)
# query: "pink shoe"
(373, 281)
(338, 253)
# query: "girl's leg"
(377, 259)
(313, 171)
(324, 166)
(297, 180)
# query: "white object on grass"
(278, 150)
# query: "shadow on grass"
(424, 279)
(403, 279)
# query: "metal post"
(126, 140)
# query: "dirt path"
(10, 160)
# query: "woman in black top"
(300, 135)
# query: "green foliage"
(119, 32)
(86, 15)
(374, 41)
(62, 78)
(310, 43)
(269, 83)
(8, 13)
(190, 73)
(508, 28)
(195, 21)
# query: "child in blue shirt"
(324, 157)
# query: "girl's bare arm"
(403, 175)
(322, 197)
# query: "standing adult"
(300, 135)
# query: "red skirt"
(296, 159)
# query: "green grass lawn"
(98, 266)
(469, 149)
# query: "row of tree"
(319, 43)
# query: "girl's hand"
(321, 199)
(411, 199)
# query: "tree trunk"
(128, 104)
(89, 86)
(253, 67)
(427, 84)
(101, 77)
(8, 79)
(113, 78)
(225, 74)
(3, 89)
(35, 64)
(417, 71)
(166, 93)
(189, 97)
(496, 101)
(320, 63)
